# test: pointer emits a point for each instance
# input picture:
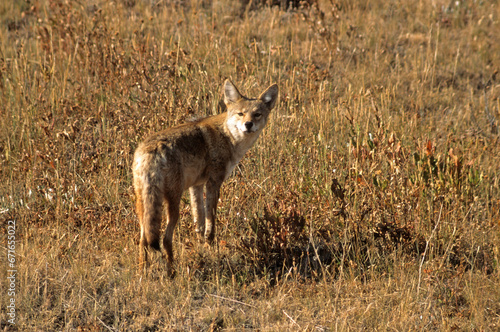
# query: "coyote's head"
(247, 116)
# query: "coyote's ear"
(270, 95)
(231, 94)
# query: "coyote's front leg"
(198, 209)
(212, 193)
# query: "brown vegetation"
(371, 201)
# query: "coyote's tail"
(149, 197)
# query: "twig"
(232, 300)
(425, 250)
(109, 328)
(290, 318)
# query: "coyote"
(197, 155)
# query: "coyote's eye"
(257, 115)
(240, 114)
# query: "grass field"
(370, 202)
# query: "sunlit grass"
(369, 202)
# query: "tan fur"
(197, 156)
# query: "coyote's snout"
(197, 156)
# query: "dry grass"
(370, 202)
